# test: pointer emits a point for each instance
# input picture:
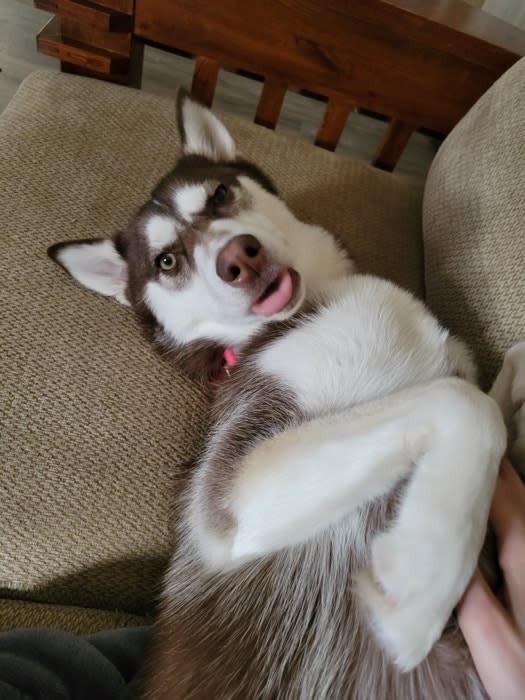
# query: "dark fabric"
(45, 664)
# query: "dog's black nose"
(241, 260)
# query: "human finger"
(494, 643)
(508, 518)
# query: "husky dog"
(339, 507)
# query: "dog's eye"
(219, 196)
(166, 261)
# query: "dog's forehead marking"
(160, 231)
(190, 200)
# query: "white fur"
(97, 266)
(206, 307)
(509, 388)
(204, 134)
(310, 249)
(190, 200)
(370, 342)
(372, 339)
(371, 374)
(451, 432)
(160, 232)
(210, 308)
(509, 391)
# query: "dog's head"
(213, 255)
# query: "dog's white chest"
(371, 339)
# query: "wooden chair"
(420, 64)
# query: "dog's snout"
(241, 260)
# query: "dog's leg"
(288, 488)
(508, 391)
(420, 567)
(462, 364)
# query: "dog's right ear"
(95, 263)
(201, 132)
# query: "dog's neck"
(213, 362)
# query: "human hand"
(494, 629)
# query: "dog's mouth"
(279, 294)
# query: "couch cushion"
(94, 423)
(474, 223)
(69, 618)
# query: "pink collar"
(230, 357)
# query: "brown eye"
(166, 261)
(220, 194)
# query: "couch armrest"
(474, 223)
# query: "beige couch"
(94, 424)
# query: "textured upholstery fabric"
(474, 224)
(94, 423)
(69, 618)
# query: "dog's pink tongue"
(277, 300)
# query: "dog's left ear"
(201, 132)
(96, 264)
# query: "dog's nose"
(241, 261)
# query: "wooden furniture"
(420, 64)
(93, 38)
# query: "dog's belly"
(371, 340)
(289, 627)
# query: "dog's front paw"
(396, 590)
(509, 392)
(410, 589)
(508, 389)
(515, 358)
